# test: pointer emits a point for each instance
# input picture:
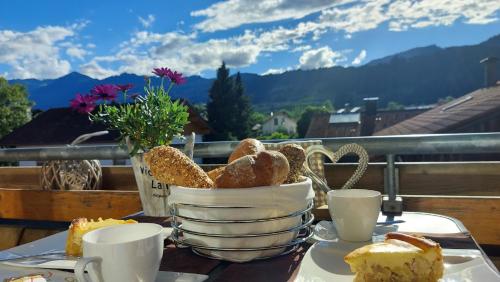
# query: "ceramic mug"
(121, 253)
(354, 212)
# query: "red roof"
(450, 116)
(321, 128)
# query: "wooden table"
(282, 268)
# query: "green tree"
(305, 119)
(228, 108)
(275, 135)
(15, 107)
(242, 123)
(445, 100)
(394, 106)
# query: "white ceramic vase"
(154, 194)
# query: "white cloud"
(35, 54)
(93, 69)
(348, 15)
(301, 48)
(146, 50)
(320, 58)
(233, 13)
(187, 54)
(76, 52)
(148, 21)
(191, 55)
(404, 14)
(359, 58)
(276, 71)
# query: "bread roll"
(296, 157)
(171, 166)
(214, 173)
(264, 169)
(246, 147)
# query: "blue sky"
(48, 39)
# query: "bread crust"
(214, 173)
(169, 165)
(296, 157)
(246, 147)
(74, 244)
(267, 168)
(422, 243)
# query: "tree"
(228, 107)
(15, 107)
(393, 106)
(305, 119)
(241, 124)
(445, 100)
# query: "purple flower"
(83, 104)
(161, 72)
(124, 87)
(176, 77)
(104, 92)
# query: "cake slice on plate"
(81, 226)
(400, 257)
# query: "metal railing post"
(392, 203)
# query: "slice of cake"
(400, 257)
(80, 226)
(29, 278)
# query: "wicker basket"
(73, 174)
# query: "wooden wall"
(471, 192)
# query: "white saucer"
(324, 261)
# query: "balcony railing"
(388, 146)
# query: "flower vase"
(154, 194)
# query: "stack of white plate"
(242, 224)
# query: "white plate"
(324, 261)
(52, 248)
(7, 272)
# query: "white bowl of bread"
(264, 189)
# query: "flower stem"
(169, 87)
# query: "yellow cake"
(29, 278)
(400, 257)
(80, 226)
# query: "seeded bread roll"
(296, 157)
(171, 166)
(214, 173)
(246, 147)
(263, 169)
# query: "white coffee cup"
(354, 212)
(121, 253)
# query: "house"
(478, 111)
(60, 126)
(358, 121)
(279, 122)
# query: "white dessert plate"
(324, 261)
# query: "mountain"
(415, 52)
(417, 76)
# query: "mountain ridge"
(419, 75)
